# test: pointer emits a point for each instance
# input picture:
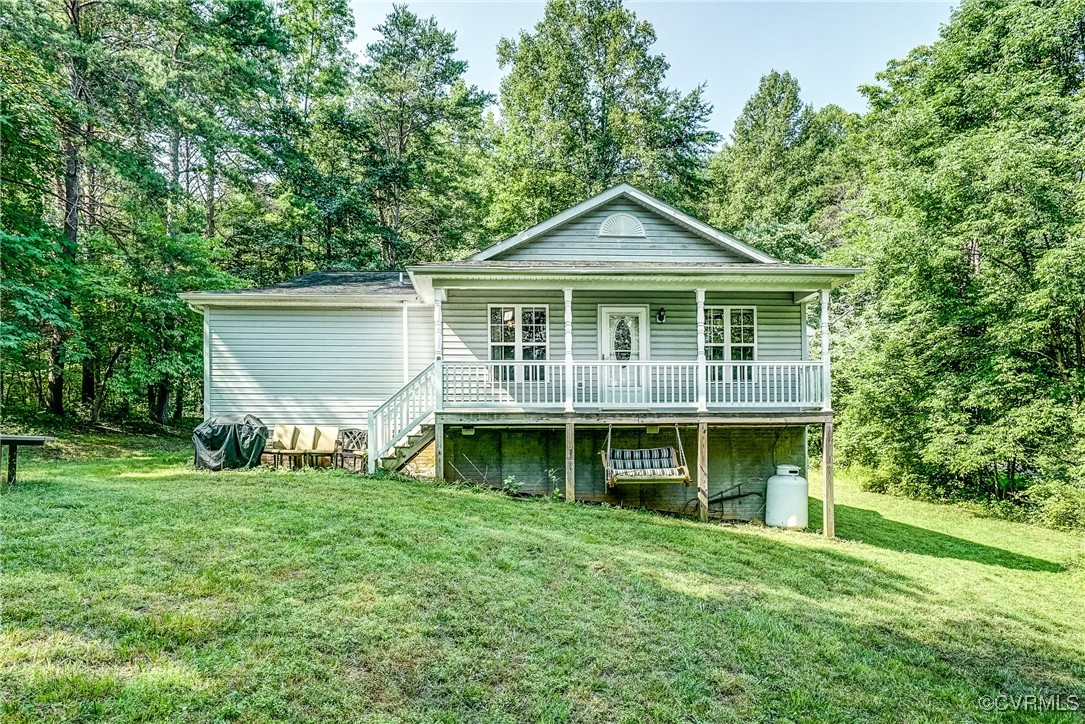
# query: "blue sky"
(831, 47)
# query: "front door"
(623, 337)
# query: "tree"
(584, 106)
(428, 123)
(964, 363)
(780, 176)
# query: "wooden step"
(405, 452)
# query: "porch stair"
(401, 427)
(406, 450)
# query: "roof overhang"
(240, 300)
(665, 210)
(799, 279)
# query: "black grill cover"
(229, 442)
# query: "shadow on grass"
(872, 528)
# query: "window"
(731, 336)
(519, 333)
(621, 225)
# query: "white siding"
(664, 240)
(779, 321)
(310, 366)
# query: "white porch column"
(826, 381)
(438, 348)
(702, 365)
(568, 292)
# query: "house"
(621, 322)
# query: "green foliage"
(584, 106)
(783, 173)
(962, 359)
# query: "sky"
(831, 47)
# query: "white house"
(616, 320)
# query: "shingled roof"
(361, 283)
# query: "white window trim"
(727, 309)
(518, 345)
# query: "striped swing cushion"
(656, 462)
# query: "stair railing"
(402, 412)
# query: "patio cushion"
(283, 437)
(306, 438)
(325, 439)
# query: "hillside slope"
(135, 588)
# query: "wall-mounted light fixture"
(661, 315)
(467, 430)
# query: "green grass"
(137, 589)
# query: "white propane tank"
(786, 499)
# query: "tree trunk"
(179, 402)
(212, 181)
(158, 402)
(89, 389)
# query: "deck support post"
(438, 349)
(570, 463)
(702, 470)
(828, 504)
(568, 294)
(438, 450)
(702, 365)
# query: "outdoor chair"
(352, 447)
(324, 444)
(283, 438)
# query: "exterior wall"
(311, 366)
(664, 240)
(420, 339)
(780, 326)
(535, 457)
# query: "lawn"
(137, 589)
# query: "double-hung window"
(731, 336)
(520, 333)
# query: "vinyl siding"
(310, 366)
(579, 239)
(779, 321)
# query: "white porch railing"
(403, 412)
(636, 385)
(508, 384)
(790, 385)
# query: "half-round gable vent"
(621, 225)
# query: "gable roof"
(694, 225)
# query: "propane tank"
(786, 504)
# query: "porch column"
(826, 381)
(568, 292)
(702, 470)
(702, 365)
(438, 349)
(570, 463)
(828, 503)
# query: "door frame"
(604, 331)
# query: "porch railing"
(401, 413)
(795, 385)
(635, 385)
(488, 384)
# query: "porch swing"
(645, 465)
